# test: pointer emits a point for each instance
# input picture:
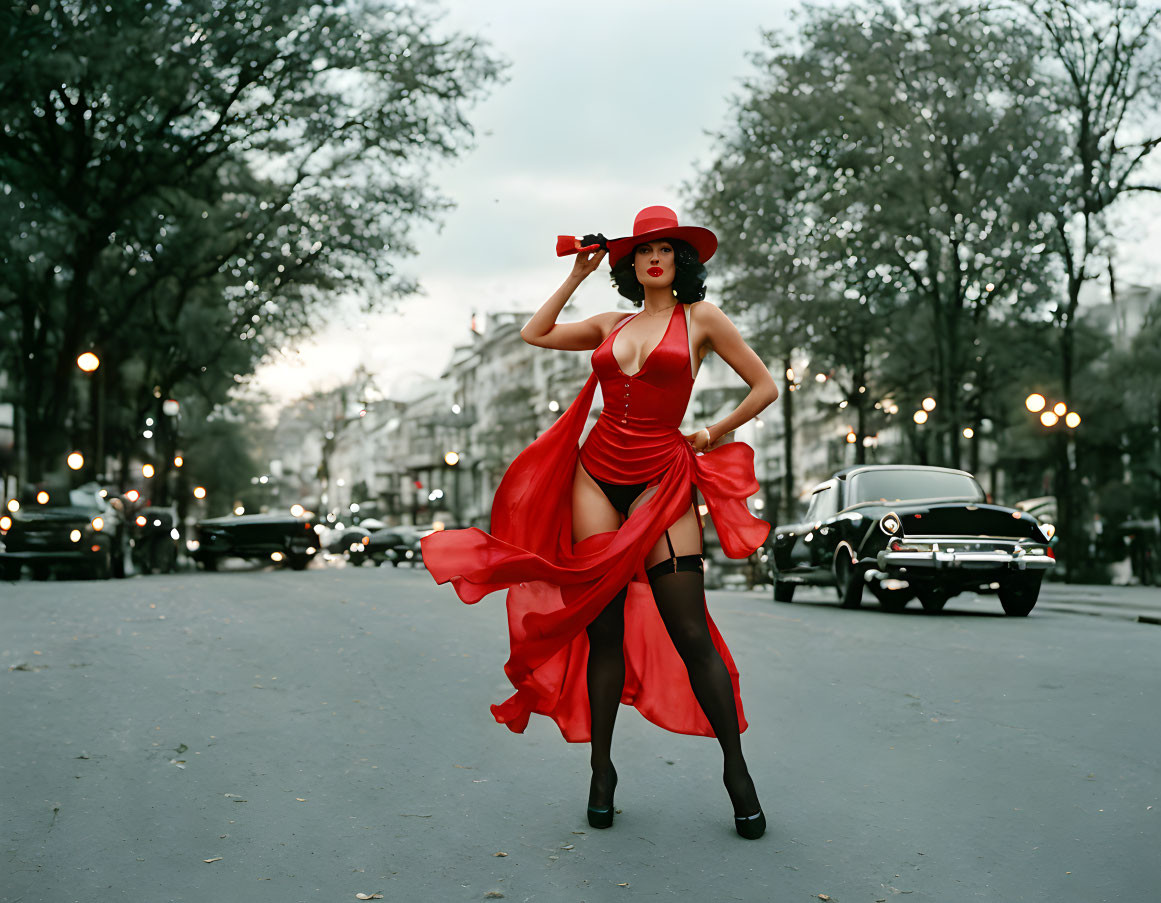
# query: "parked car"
(907, 532)
(154, 538)
(398, 544)
(350, 542)
(80, 528)
(281, 538)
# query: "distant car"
(398, 544)
(906, 531)
(154, 536)
(79, 528)
(281, 538)
(350, 542)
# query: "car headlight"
(75, 536)
(1049, 530)
(5, 523)
(891, 524)
(98, 523)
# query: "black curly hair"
(688, 280)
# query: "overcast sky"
(607, 109)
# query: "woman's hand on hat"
(586, 261)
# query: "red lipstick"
(655, 271)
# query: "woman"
(600, 547)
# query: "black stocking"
(680, 600)
(606, 681)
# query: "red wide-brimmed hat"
(661, 222)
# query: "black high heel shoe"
(602, 817)
(751, 827)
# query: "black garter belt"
(621, 496)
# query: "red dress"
(556, 587)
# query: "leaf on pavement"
(499, 854)
(215, 859)
(368, 896)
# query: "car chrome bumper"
(950, 558)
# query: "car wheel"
(117, 562)
(209, 562)
(892, 599)
(783, 591)
(40, 572)
(932, 598)
(103, 565)
(1018, 594)
(299, 562)
(848, 581)
(10, 571)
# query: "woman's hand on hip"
(699, 440)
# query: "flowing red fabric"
(556, 587)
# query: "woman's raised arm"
(543, 330)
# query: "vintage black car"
(908, 531)
(280, 538)
(79, 529)
(398, 544)
(154, 536)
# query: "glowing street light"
(178, 461)
(76, 461)
(147, 471)
(1035, 403)
(920, 417)
(1060, 409)
(296, 510)
(451, 458)
(1072, 420)
(170, 407)
(42, 497)
(88, 362)
(968, 432)
(928, 404)
(199, 492)
(1049, 418)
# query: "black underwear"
(621, 496)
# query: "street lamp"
(928, 404)
(76, 461)
(199, 492)
(88, 362)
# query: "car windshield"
(34, 499)
(913, 485)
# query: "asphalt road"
(326, 733)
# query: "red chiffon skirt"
(556, 587)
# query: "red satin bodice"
(634, 437)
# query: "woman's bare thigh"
(591, 510)
(684, 533)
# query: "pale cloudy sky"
(606, 110)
